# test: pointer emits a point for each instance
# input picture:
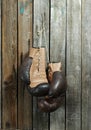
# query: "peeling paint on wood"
(23, 5)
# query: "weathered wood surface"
(73, 65)
(57, 53)
(24, 43)
(0, 64)
(86, 65)
(70, 43)
(9, 54)
(40, 38)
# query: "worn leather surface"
(50, 104)
(57, 79)
(40, 90)
(24, 71)
(37, 70)
(57, 85)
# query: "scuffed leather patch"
(24, 71)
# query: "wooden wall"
(64, 28)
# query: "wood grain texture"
(86, 65)
(73, 96)
(57, 53)
(41, 38)
(70, 21)
(0, 63)
(24, 43)
(9, 54)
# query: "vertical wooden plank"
(73, 96)
(57, 53)
(86, 65)
(24, 42)
(0, 63)
(9, 54)
(41, 38)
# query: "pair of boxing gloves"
(50, 94)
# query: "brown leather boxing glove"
(57, 80)
(57, 89)
(33, 73)
(33, 69)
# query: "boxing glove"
(57, 89)
(57, 80)
(33, 73)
